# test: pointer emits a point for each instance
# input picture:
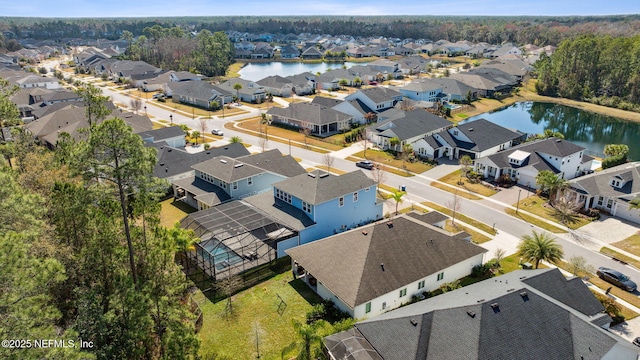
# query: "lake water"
(591, 130)
(259, 71)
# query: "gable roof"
(484, 134)
(551, 146)
(326, 101)
(377, 94)
(598, 183)
(318, 186)
(414, 123)
(172, 161)
(349, 264)
(274, 81)
(501, 318)
(229, 169)
(309, 112)
(201, 90)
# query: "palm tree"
(308, 342)
(237, 87)
(540, 246)
(397, 196)
(551, 182)
(195, 134)
(394, 142)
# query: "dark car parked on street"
(616, 278)
(365, 164)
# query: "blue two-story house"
(332, 203)
(223, 178)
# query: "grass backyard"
(233, 336)
(465, 219)
(172, 211)
(536, 205)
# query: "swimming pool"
(221, 255)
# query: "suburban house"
(376, 98)
(311, 53)
(154, 81)
(452, 89)
(303, 84)
(239, 235)
(175, 163)
(224, 178)
(320, 120)
(289, 52)
(379, 267)
(408, 127)
(199, 93)
(249, 92)
(276, 85)
(477, 138)
(356, 108)
(332, 203)
(422, 90)
(522, 163)
(486, 86)
(610, 190)
(173, 136)
(178, 76)
(525, 314)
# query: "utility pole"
(518, 203)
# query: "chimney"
(390, 224)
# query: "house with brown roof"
(379, 267)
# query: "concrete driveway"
(608, 229)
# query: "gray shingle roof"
(484, 134)
(162, 133)
(325, 101)
(549, 146)
(282, 212)
(380, 94)
(348, 264)
(308, 112)
(173, 161)
(598, 183)
(414, 123)
(500, 318)
(318, 186)
(229, 170)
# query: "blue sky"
(158, 8)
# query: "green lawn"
(233, 336)
(539, 206)
(475, 223)
(454, 178)
(172, 211)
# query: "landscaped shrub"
(612, 161)
(316, 313)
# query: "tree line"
(538, 30)
(83, 254)
(600, 69)
(173, 48)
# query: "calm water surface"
(258, 71)
(591, 130)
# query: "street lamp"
(171, 118)
(518, 203)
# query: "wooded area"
(537, 30)
(83, 255)
(600, 69)
(206, 53)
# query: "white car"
(217, 132)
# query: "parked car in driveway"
(616, 278)
(217, 132)
(636, 341)
(365, 164)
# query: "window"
(355, 196)
(367, 307)
(403, 292)
(420, 284)
(308, 208)
(609, 203)
(600, 200)
(235, 185)
(341, 201)
(283, 196)
(250, 181)
(440, 276)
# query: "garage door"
(623, 212)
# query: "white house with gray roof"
(377, 268)
(376, 98)
(477, 138)
(522, 163)
(321, 120)
(408, 127)
(525, 314)
(610, 190)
